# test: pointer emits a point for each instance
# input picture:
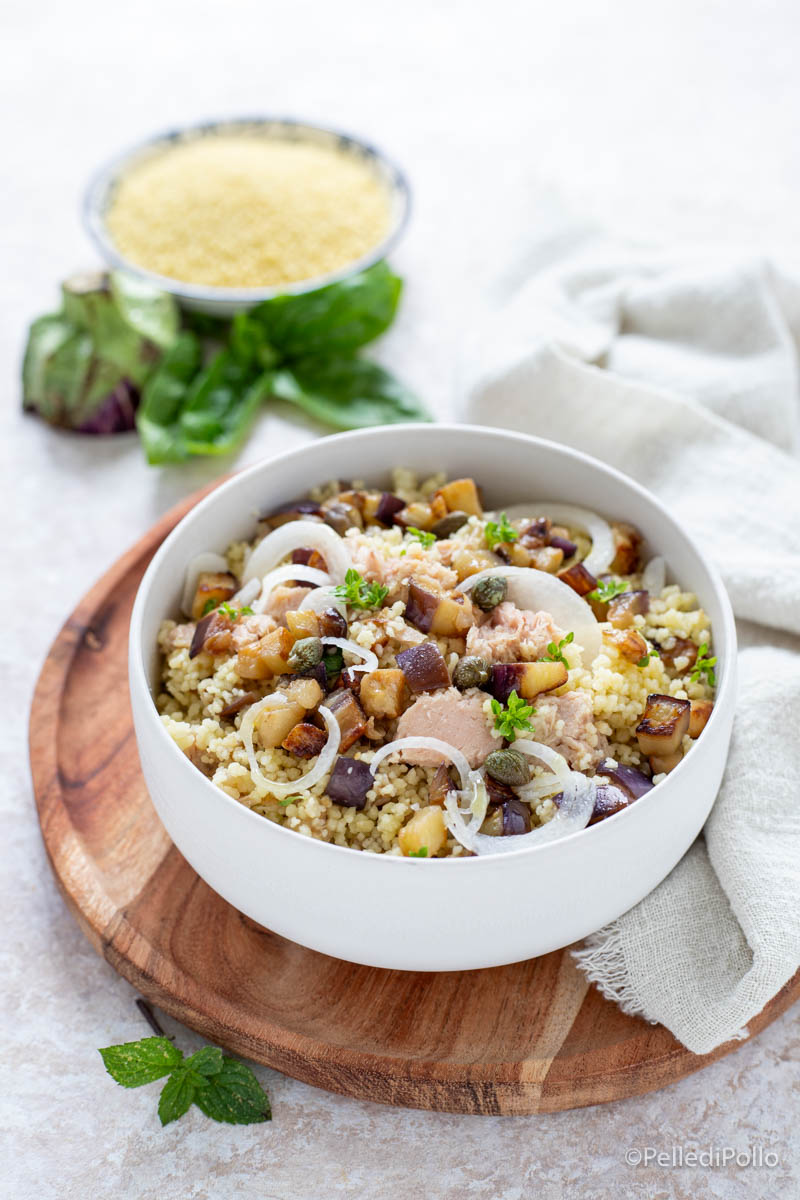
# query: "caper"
(450, 524)
(509, 766)
(471, 671)
(304, 655)
(490, 592)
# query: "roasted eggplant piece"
(352, 680)
(274, 724)
(684, 648)
(306, 692)
(698, 719)
(349, 783)
(579, 579)
(417, 516)
(388, 508)
(663, 764)
(526, 679)
(663, 726)
(508, 819)
(341, 516)
(461, 495)
(349, 716)
(630, 779)
(608, 800)
(309, 558)
(297, 510)
(303, 623)
(440, 786)
(468, 562)
(425, 833)
(267, 657)
(332, 624)
(498, 792)
(235, 706)
(212, 633)
(628, 543)
(623, 608)
(213, 588)
(563, 544)
(628, 642)
(384, 693)
(304, 740)
(424, 667)
(433, 612)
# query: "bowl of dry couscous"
(226, 214)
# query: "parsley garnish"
(221, 1087)
(555, 653)
(422, 536)
(645, 659)
(608, 589)
(421, 853)
(333, 659)
(287, 800)
(232, 614)
(500, 531)
(514, 717)
(704, 666)
(356, 592)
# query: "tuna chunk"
(393, 572)
(513, 634)
(285, 599)
(453, 717)
(566, 723)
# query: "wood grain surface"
(527, 1038)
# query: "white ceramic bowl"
(222, 301)
(427, 915)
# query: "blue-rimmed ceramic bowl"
(223, 301)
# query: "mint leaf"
(234, 1096)
(207, 1061)
(134, 1063)
(177, 1095)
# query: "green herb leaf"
(555, 653)
(177, 1095)
(347, 393)
(422, 536)
(358, 593)
(608, 589)
(514, 717)
(207, 1061)
(333, 659)
(645, 659)
(209, 606)
(234, 1095)
(333, 320)
(287, 800)
(134, 1063)
(421, 853)
(704, 666)
(500, 531)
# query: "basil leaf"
(336, 319)
(163, 399)
(177, 1095)
(234, 1096)
(135, 1063)
(347, 393)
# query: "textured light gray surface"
(662, 121)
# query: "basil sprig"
(301, 349)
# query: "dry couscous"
(403, 673)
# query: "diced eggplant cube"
(424, 667)
(305, 556)
(349, 783)
(579, 579)
(526, 679)
(663, 726)
(384, 693)
(566, 547)
(425, 833)
(332, 623)
(298, 510)
(683, 648)
(349, 716)
(663, 764)
(516, 817)
(440, 786)
(630, 779)
(304, 740)
(623, 608)
(235, 706)
(461, 495)
(608, 800)
(628, 642)
(701, 711)
(628, 542)
(213, 588)
(388, 508)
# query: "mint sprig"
(221, 1087)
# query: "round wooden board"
(528, 1038)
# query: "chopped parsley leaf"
(515, 716)
(500, 531)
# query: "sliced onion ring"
(292, 536)
(323, 765)
(370, 662)
(425, 743)
(538, 591)
(247, 594)
(207, 561)
(322, 598)
(281, 574)
(603, 549)
(654, 576)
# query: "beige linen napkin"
(684, 375)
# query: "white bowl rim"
(725, 642)
(104, 177)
